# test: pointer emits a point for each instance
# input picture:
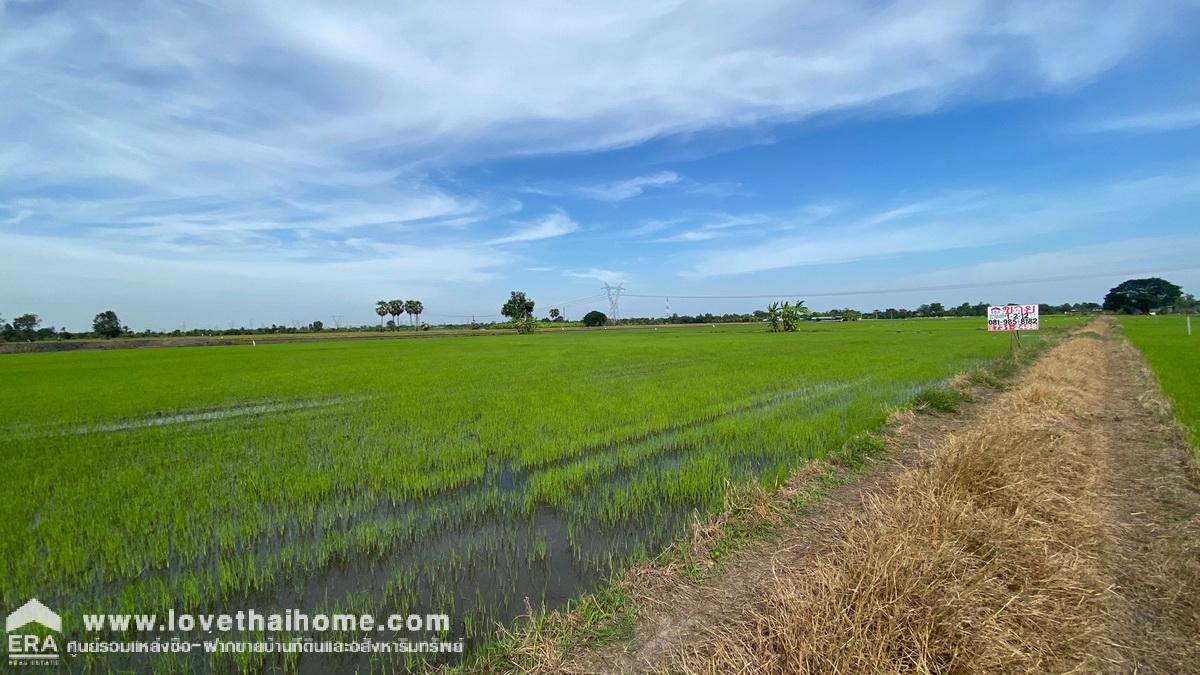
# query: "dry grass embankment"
(989, 556)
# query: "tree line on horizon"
(1134, 296)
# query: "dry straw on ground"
(986, 557)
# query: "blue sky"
(270, 162)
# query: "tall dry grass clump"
(983, 558)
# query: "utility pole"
(337, 320)
(614, 300)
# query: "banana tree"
(773, 317)
(793, 315)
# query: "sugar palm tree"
(381, 308)
(417, 308)
(395, 308)
(410, 306)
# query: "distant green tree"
(1141, 295)
(381, 308)
(24, 326)
(414, 309)
(594, 318)
(554, 314)
(846, 314)
(106, 324)
(518, 306)
(396, 309)
(317, 326)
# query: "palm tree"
(419, 307)
(395, 308)
(381, 308)
(410, 306)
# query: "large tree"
(381, 308)
(25, 325)
(1141, 295)
(106, 324)
(520, 309)
(518, 306)
(594, 318)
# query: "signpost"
(1012, 319)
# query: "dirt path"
(1081, 527)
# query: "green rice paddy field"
(445, 475)
(1174, 357)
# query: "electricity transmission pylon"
(614, 300)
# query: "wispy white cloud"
(629, 188)
(691, 236)
(722, 225)
(953, 222)
(603, 275)
(258, 95)
(610, 191)
(1131, 254)
(547, 227)
(1182, 117)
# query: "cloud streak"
(1172, 119)
(547, 227)
(954, 222)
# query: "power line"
(463, 316)
(913, 289)
(497, 316)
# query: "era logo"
(26, 649)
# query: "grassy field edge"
(1171, 354)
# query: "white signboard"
(1012, 317)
